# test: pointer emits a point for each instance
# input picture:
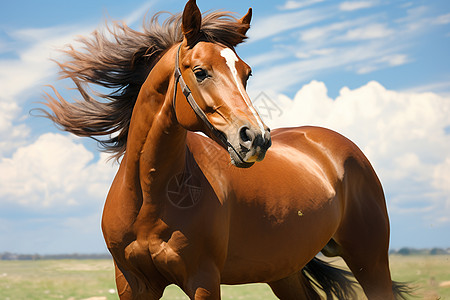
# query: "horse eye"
(200, 74)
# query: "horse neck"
(157, 142)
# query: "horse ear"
(245, 20)
(191, 22)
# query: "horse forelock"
(120, 59)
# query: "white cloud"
(443, 19)
(440, 88)
(323, 33)
(397, 59)
(22, 74)
(389, 60)
(403, 135)
(290, 4)
(278, 23)
(32, 65)
(368, 32)
(11, 135)
(416, 19)
(351, 30)
(441, 181)
(375, 55)
(355, 5)
(53, 172)
(315, 52)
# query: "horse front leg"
(123, 287)
(204, 284)
(130, 287)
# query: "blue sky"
(377, 71)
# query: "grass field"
(94, 280)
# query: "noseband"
(190, 99)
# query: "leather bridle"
(190, 99)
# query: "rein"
(190, 99)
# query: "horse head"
(212, 78)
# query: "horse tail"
(331, 280)
(319, 274)
(402, 290)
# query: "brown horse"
(178, 212)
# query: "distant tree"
(404, 251)
(9, 256)
(437, 251)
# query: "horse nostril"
(249, 139)
(244, 134)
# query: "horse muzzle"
(249, 146)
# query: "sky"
(376, 71)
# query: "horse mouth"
(237, 160)
(246, 149)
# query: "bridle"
(190, 99)
(198, 111)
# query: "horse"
(206, 194)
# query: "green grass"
(245, 292)
(83, 279)
(56, 279)
(430, 274)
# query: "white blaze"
(231, 60)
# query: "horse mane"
(120, 59)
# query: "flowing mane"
(120, 60)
